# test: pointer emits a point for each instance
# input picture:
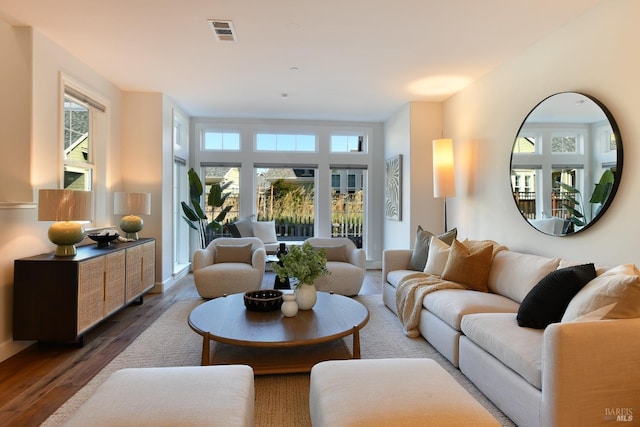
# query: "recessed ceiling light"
(223, 30)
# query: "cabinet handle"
(104, 286)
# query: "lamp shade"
(132, 203)
(444, 180)
(65, 205)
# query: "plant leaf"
(567, 188)
(195, 185)
(190, 213)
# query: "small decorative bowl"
(263, 300)
(103, 239)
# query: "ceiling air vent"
(223, 30)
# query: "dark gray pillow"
(244, 227)
(421, 246)
(547, 301)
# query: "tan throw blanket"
(409, 295)
(414, 287)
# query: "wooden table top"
(227, 320)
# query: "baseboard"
(161, 287)
(11, 348)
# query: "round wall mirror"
(566, 163)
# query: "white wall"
(594, 55)
(22, 235)
(410, 132)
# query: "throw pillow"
(438, 256)
(233, 253)
(335, 253)
(421, 247)
(233, 230)
(244, 227)
(616, 289)
(265, 231)
(548, 300)
(469, 267)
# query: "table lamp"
(444, 179)
(65, 207)
(131, 205)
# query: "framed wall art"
(393, 188)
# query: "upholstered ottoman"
(184, 396)
(391, 392)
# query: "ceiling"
(295, 59)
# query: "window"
(347, 205)
(287, 196)
(221, 141)
(180, 226)
(347, 143)
(229, 178)
(525, 145)
(564, 144)
(335, 181)
(285, 142)
(351, 182)
(79, 135)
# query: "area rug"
(281, 400)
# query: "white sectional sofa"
(581, 371)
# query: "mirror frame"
(619, 163)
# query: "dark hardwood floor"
(38, 380)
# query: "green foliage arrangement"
(599, 197)
(194, 214)
(303, 263)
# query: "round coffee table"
(272, 343)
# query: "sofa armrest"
(358, 258)
(201, 258)
(259, 258)
(590, 372)
(395, 259)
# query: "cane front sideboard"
(58, 299)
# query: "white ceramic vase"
(306, 296)
(289, 306)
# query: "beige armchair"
(346, 263)
(228, 266)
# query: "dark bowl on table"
(263, 300)
(103, 239)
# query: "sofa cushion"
(394, 277)
(499, 335)
(438, 256)
(265, 231)
(334, 253)
(421, 247)
(548, 300)
(469, 265)
(451, 305)
(233, 253)
(514, 274)
(615, 294)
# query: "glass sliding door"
(286, 195)
(347, 204)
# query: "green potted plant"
(194, 214)
(306, 264)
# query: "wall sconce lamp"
(444, 179)
(131, 205)
(65, 207)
